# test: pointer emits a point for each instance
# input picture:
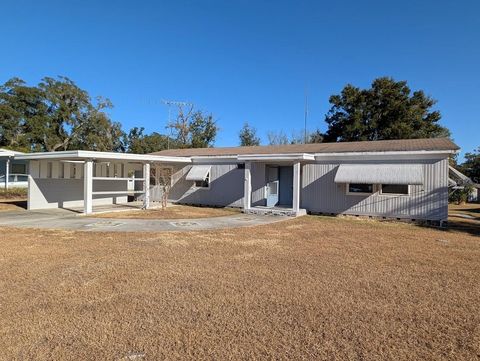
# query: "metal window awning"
(198, 173)
(380, 173)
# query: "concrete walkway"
(64, 219)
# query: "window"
(357, 188)
(398, 189)
(19, 169)
(203, 183)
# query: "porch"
(277, 188)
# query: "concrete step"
(266, 211)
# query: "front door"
(286, 186)
(272, 186)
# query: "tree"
(316, 137)
(181, 126)
(203, 130)
(137, 142)
(193, 129)
(387, 110)
(281, 138)
(277, 138)
(471, 166)
(248, 136)
(19, 104)
(55, 115)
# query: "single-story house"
(13, 172)
(405, 179)
(457, 181)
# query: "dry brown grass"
(13, 193)
(171, 212)
(309, 288)
(472, 209)
(457, 220)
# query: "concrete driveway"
(63, 219)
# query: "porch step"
(265, 211)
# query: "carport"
(73, 179)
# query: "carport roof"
(8, 153)
(107, 156)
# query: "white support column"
(247, 188)
(296, 186)
(7, 172)
(146, 186)
(87, 187)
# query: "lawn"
(307, 288)
(464, 217)
(171, 212)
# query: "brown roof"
(430, 144)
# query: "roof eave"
(276, 157)
(384, 153)
(85, 154)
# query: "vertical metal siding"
(321, 194)
(226, 187)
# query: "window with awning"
(380, 174)
(198, 173)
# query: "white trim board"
(85, 154)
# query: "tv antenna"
(305, 117)
(169, 104)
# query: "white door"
(273, 185)
(272, 193)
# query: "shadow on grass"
(464, 218)
(15, 203)
(460, 225)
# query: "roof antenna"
(305, 117)
(169, 104)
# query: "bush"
(459, 196)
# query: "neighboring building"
(13, 172)
(457, 180)
(406, 179)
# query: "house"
(13, 172)
(457, 181)
(405, 179)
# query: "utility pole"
(169, 104)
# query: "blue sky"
(249, 60)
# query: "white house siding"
(57, 190)
(226, 187)
(430, 201)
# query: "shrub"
(459, 196)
